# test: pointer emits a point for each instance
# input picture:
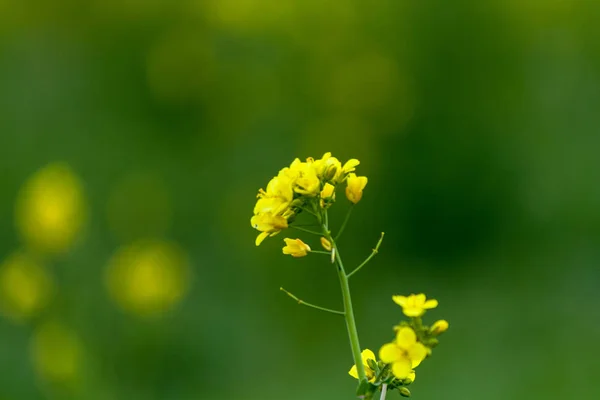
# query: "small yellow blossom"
(268, 224)
(295, 247)
(439, 327)
(405, 353)
(365, 355)
(354, 190)
(414, 305)
(325, 243)
(327, 194)
(307, 182)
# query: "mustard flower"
(355, 187)
(404, 354)
(439, 327)
(306, 181)
(295, 247)
(268, 224)
(327, 168)
(365, 355)
(414, 305)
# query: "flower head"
(295, 247)
(405, 353)
(414, 305)
(365, 355)
(356, 184)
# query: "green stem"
(302, 302)
(346, 218)
(375, 251)
(348, 311)
(305, 230)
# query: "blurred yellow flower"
(404, 354)
(356, 185)
(365, 355)
(57, 353)
(25, 286)
(295, 247)
(414, 305)
(439, 327)
(148, 277)
(50, 209)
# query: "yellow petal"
(367, 355)
(401, 368)
(420, 299)
(350, 165)
(430, 304)
(261, 237)
(353, 372)
(406, 337)
(412, 376)
(389, 353)
(400, 300)
(417, 353)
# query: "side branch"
(375, 251)
(302, 302)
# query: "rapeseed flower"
(301, 186)
(414, 305)
(295, 247)
(404, 354)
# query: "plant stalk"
(348, 311)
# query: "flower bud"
(439, 327)
(404, 392)
(354, 190)
(325, 243)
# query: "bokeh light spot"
(148, 277)
(57, 353)
(25, 287)
(50, 209)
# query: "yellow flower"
(327, 167)
(439, 327)
(307, 182)
(350, 166)
(365, 355)
(51, 209)
(325, 243)
(268, 224)
(414, 305)
(295, 247)
(355, 187)
(327, 194)
(405, 353)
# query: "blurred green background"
(135, 134)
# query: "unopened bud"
(439, 327)
(404, 392)
(325, 243)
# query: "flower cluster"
(413, 343)
(303, 186)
